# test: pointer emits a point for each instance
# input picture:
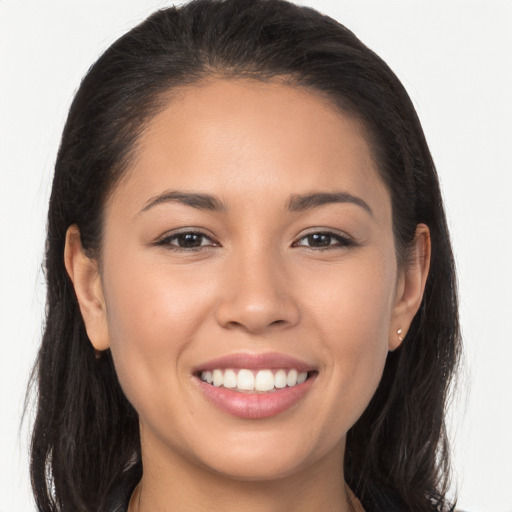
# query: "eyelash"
(166, 241)
(341, 240)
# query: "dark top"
(384, 500)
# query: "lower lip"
(255, 405)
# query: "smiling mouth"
(255, 386)
(255, 381)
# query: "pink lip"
(255, 405)
(269, 360)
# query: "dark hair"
(86, 432)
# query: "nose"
(257, 295)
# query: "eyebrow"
(195, 200)
(298, 203)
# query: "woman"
(251, 291)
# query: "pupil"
(319, 240)
(190, 240)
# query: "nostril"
(233, 325)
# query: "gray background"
(454, 58)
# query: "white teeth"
(302, 377)
(217, 377)
(280, 379)
(230, 379)
(291, 379)
(264, 380)
(248, 380)
(245, 380)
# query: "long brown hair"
(86, 432)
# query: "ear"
(85, 276)
(410, 286)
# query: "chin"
(267, 457)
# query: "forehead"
(243, 137)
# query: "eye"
(187, 240)
(324, 240)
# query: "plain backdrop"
(454, 58)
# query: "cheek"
(354, 302)
(353, 321)
(153, 314)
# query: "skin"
(256, 285)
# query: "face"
(250, 242)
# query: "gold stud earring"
(399, 332)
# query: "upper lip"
(269, 360)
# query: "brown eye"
(323, 240)
(319, 240)
(187, 240)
